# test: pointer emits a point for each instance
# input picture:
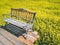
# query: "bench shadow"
(17, 31)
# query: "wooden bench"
(20, 18)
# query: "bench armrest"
(27, 27)
(6, 16)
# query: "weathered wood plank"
(1, 43)
(19, 23)
(21, 38)
(4, 41)
(10, 37)
(15, 22)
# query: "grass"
(47, 21)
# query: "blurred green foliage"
(47, 22)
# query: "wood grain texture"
(7, 38)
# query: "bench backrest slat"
(23, 14)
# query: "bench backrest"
(22, 14)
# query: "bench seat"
(18, 23)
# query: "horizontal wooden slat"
(17, 23)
